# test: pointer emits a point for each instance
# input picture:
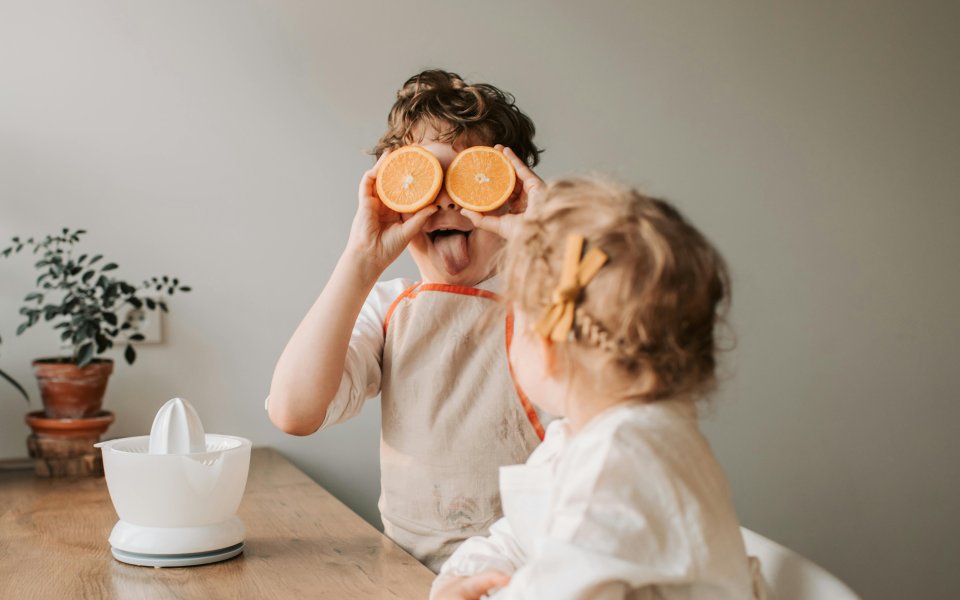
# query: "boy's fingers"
(414, 224)
(369, 179)
(504, 225)
(523, 171)
(482, 221)
(532, 183)
(517, 200)
(384, 155)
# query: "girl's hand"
(529, 190)
(378, 235)
(469, 588)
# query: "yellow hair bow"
(557, 319)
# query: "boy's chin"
(438, 273)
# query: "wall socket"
(145, 322)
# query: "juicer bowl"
(176, 490)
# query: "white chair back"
(791, 576)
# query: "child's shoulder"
(637, 434)
(647, 452)
(376, 307)
(384, 292)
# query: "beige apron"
(451, 417)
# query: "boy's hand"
(378, 235)
(529, 190)
(469, 588)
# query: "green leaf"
(151, 304)
(130, 354)
(110, 318)
(95, 259)
(137, 337)
(103, 343)
(185, 288)
(109, 267)
(87, 276)
(85, 357)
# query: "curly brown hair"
(444, 100)
(652, 309)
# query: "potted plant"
(79, 296)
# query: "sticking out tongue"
(453, 250)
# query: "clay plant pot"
(70, 392)
(92, 427)
(65, 447)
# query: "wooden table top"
(301, 543)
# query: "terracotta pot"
(70, 392)
(92, 427)
(65, 447)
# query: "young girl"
(616, 298)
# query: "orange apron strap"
(410, 292)
(527, 407)
(459, 289)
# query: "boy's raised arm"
(309, 371)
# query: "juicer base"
(177, 560)
(177, 546)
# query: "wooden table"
(301, 543)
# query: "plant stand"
(64, 447)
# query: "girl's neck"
(582, 406)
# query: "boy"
(451, 415)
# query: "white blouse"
(633, 506)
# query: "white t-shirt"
(361, 367)
(633, 506)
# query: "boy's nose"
(444, 202)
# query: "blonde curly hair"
(651, 311)
(456, 108)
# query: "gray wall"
(815, 142)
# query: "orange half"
(480, 178)
(409, 179)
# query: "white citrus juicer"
(176, 491)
